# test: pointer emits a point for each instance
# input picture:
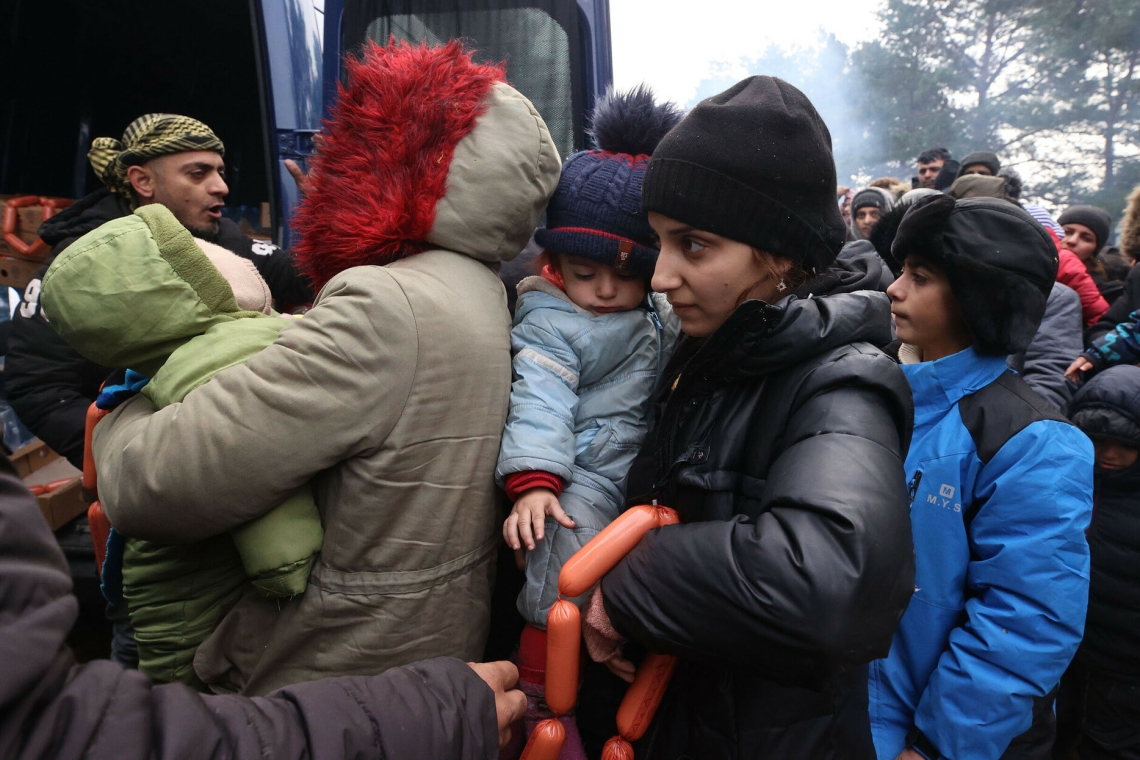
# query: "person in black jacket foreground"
(1100, 695)
(778, 434)
(162, 158)
(50, 707)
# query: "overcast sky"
(674, 45)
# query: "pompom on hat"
(596, 211)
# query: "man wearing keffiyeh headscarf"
(161, 158)
(168, 159)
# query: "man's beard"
(208, 234)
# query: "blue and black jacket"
(1120, 345)
(1001, 494)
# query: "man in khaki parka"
(390, 395)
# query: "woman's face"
(706, 276)
(1080, 240)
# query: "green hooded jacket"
(139, 292)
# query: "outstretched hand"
(299, 175)
(510, 703)
(1079, 366)
(527, 522)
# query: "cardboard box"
(38, 465)
(17, 273)
(65, 502)
(27, 459)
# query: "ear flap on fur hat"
(1002, 309)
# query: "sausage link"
(546, 741)
(563, 649)
(644, 695)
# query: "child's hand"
(527, 520)
(1079, 366)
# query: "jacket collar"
(940, 384)
(761, 338)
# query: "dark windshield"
(538, 40)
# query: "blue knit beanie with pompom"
(596, 211)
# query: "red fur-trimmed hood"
(425, 149)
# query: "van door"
(290, 63)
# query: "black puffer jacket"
(1109, 406)
(781, 445)
(48, 383)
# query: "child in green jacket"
(142, 292)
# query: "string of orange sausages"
(564, 642)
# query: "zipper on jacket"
(660, 340)
(912, 489)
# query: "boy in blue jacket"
(1001, 489)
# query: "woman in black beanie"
(778, 434)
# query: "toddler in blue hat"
(589, 343)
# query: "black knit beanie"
(1096, 219)
(753, 164)
(1001, 264)
(986, 158)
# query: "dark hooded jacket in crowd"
(780, 441)
(1108, 406)
(52, 707)
(48, 383)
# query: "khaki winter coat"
(390, 396)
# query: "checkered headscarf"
(147, 137)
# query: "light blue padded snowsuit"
(582, 385)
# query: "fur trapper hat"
(1000, 262)
(1130, 227)
(596, 211)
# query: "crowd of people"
(882, 414)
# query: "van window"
(538, 41)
